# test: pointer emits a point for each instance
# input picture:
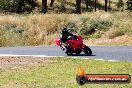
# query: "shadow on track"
(82, 55)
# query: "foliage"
(116, 33)
(62, 7)
(90, 26)
(71, 26)
(129, 4)
(96, 35)
(43, 29)
(13, 34)
(17, 6)
(120, 4)
(87, 26)
(100, 24)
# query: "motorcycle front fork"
(63, 48)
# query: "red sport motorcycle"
(74, 45)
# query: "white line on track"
(11, 55)
(90, 58)
(6, 55)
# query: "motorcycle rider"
(72, 43)
(64, 36)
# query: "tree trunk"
(95, 5)
(106, 5)
(86, 1)
(51, 3)
(78, 6)
(44, 6)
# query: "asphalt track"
(111, 53)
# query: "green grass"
(61, 73)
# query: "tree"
(95, 4)
(51, 3)
(78, 6)
(86, 2)
(44, 6)
(17, 6)
(106, 5)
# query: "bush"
(71, 26)
(101, 25)
(120, 4)
(11, 34)
(17, 6)
(129, 4)
(83, 28)
(116, 33)
(86, 26)
(96, 35)
(13, 28)
(62, 7)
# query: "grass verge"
(39, 29)
(59, 73)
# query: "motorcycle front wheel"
(68, 53)
(87, 50)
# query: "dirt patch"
(12, 62)
(14, 84)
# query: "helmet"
(64, 30)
